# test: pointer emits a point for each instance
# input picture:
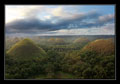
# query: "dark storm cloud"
(34, 25)
(88, 20)
(28, 25)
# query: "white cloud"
(47, 17)
(20, 12)
(106, 18)
(57, 11)
(61, 12)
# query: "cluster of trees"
(71, 61)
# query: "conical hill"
(101, 46)
(26, 49)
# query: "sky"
(46, 20)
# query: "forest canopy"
(57, 58)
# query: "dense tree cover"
(61, 61)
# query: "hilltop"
(81, 40)
(101, 46)
(25, 49)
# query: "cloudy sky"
(59, 20)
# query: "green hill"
(26, 49)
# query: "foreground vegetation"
(56, 58)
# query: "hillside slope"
(101, 46)
(26, 49)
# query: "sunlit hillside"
(25, 49)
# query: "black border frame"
(65, 2)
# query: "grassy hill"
(26, 49)
(81, 40)
(101, 46)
